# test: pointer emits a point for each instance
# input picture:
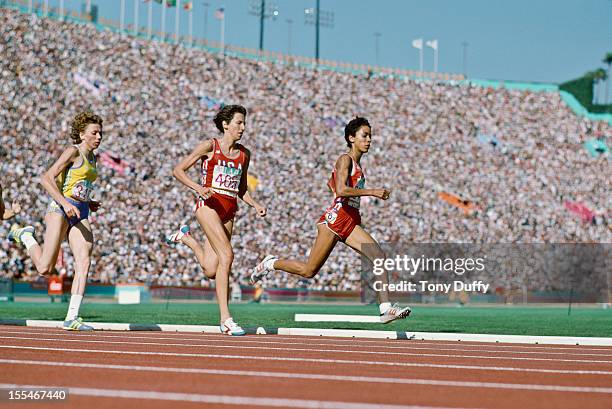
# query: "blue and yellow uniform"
(76, 184)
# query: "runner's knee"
(309, 272)
(226, 257)
(210, 273)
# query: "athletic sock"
(28, 240)
(73, 308)
(270, 264)
(384, 307)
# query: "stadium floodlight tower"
(317, 17)
(262, 10)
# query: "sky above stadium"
(524, 40)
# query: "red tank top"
(356, 180)
(221, 173)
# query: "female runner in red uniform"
(342, 221)
(225, 165)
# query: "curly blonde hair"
(79, 124)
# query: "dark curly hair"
(79, 124)
(353, 126)
(227, 114)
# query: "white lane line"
(325, 341)
(313, 360)
(324, 377)
(336, 351)
(220, 399)
(232, 341)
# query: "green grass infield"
(584, 321)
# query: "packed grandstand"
(465, 164)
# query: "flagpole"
(206, 22)
(163, 22)
(30, 6)
(122, 17)
(190, 27)
(421, 59)
(136, 3)
(150, 20)
(177, 21)
(45, 8)
(418, 44)
(61, 10)
(436, 59)
(433, 44)
(223, 36)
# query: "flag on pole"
(433, 44)
(188, 5)
(220, 13)
(418, 43)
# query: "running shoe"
(395, 312)
(229, 327)
(16, 232)
(175, 238)
(76, 325)
(262, 269)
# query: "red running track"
(186, 370)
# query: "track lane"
(428, 378)
(292, 389)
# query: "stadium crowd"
(157, 101)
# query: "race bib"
(226, 179)
(355, 201)
(82, 190)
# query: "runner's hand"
(16, 208)
(382, 193)
(204, 192)
(71, 210)
(94, 205)
(261, 211)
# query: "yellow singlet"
(77, 183)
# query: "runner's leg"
(324, 244)
(45, 256)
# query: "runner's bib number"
(82, 190)
(226, 179)
(355, 201)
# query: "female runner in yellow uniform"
(69, 181)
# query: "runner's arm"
(243, 190)
(179, 171)
(343, 165)
(47, 180)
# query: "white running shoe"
(175, 238)
(16, 232)
(229, 327)
(395, 312)
(262, 269)
(76, 325)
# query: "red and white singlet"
(343, 215)
(223, 175)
